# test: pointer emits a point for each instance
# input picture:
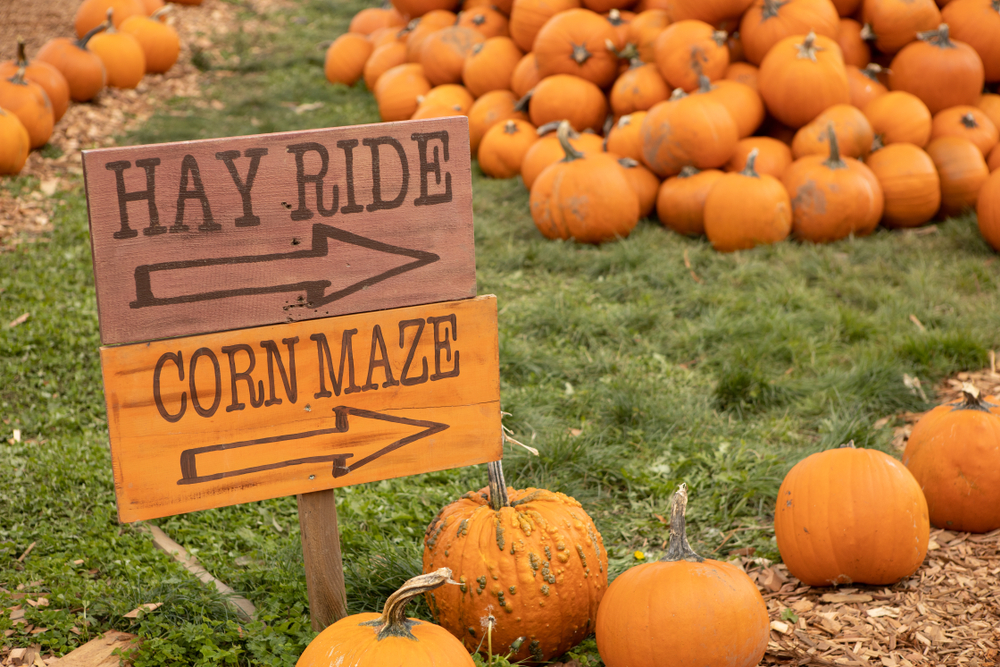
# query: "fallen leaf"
(574, 432)
(148, 607)
(20, 320)
(309, 106)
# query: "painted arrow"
(189, 469)
(315, 291)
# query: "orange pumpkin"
(644, 183)
(768, 22)
(852, 45)
(687, 50)
(503, 148)
(152, 6)
(745, 209)
(644, 31)
(398, 89)
(895, 23)
(161, 45)
(680, 202)
(525, 75)
(878, 504)
(528, 16)
(444, 52)
(989, 103)
(897, 117)
(382, 36)
(83, 70)
(694, 130)
(963, 172)
(977, 23)
(435, 110)
(584, 197)
(92, 13)
(743, 103)
(988, 209)
(625, 138)
(854, 133)
(30, 104)
(417, 8)
(490, 65)
(638, 89)
(864, 84)
(564, 96)
(619, 22)
(911, 187)
(45, 75)
(575, 42)
(954, 454)
(121, 54)
(346, 58)
(489, 22)
(993, 159)
(381, 60)
(847, 7)
(801, 77)
(490, 109)
(14, 143)
(773, 156)
(424, 27)
(451, 95)
(548, 150)
(659, 609)
(969, 122)
(370, 19)
(744, 73)
(941, 71)
(709, 11)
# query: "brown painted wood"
(181, 440)
(240, 239)
(321, 552)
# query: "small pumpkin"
(346, 58)
(625, 138)
(619, 22)
(444, 52)
(121, 54)
(383, 36)
(490, 109)
(417, 8)
(528, 16)
(398, 89)
(941, 71)
(421, 28)
(744, 73)
(977, 23)
(575, 42)
(832, 197)
(451, 95)
(525, 75)
(488, 21)
(969, 122)
(491, 65)
(993, 159)
(687, 50)
(988, 209)
(548, 150)
(638, 89)
(564, 96)
(709, 11)
(892, 24)
(370, 19)
(92, 13)
(161, 44)
(861, 493)
(852, 44)
(963, 172)
(864, 84)
(743, 103)
(659, 609)
(30, 104)
(854, 133)
(694, 130)
(745, 209)
(680, 202)
(801, 77)
(899, 116)
(503, 148)
(911, 187)
(645, 30)
(644, 183)
(84, 71)
(989, 103)
(954, 454)
(45, 75)
(773, 156)
(381, 60)
(15, 143)
(768, 22)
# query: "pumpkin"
(607, 5)
(548, 150)
(397, 90)
(121, 54)
(575, 42)
(695, 130)
(735, 45)
(83, 70)
(584, 197)
(897, 117)
(773, 156)
(988, 209)
(954, 454)
(687, 50)
(376, 640)
(851, 515)
(532, 559)
(645, 30)
(644, 183)
(450, 95)
(847, 7)
(680, 202)
(525, 75)
(487, 21)
(638, 89)
(802, 77)
(503, 147)
(624, 137)
(660, 609)
(417, 8)
(893, 24)
(911, 187)
(30, 104)
(528, 16)
(424, 27)
(962, 169)
(150, 7)
(563, 96)
(490, 65)
(768, 22)
(381, 60)
(745, 209)
(45, 75)
(346, 58)
(619, 22)
(490, 109)
(92, 13)
(941, 71)
(444, 52)
(854, 133)
(969, 122)
(977, 23)
(743, 103)
(709, 11)
(502, 6)
(435, 110)
(161, 45)
(382, 36)
(744, 73)
(989, 103)
(832, 197)
(993, 159)
(864, 84)
(370, 19)
(14, 143)
(852, 45)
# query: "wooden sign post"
(285, 314)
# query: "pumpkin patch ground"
(633, 366)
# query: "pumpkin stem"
(704, 84)
(628, 163)
(679, 549)
(615, 17)
(393, 622)
(848, 445)
(581, 54)
(160, 12)
(969, 121)
(677, 94)
(552, 126)
(510, 127)
(498, 486)
(563, 134)
(808, 48)
(867, 34)
(720, 37)
(687, 171)
(872, 70)
(629, 53)
(22, 59)
(522, 104)
(938, 38)
(878, 143)
(109, 25)
(771, 8)
(82, 42)
(971, 399)
(18, 77)
(834, 161)
(749, 170)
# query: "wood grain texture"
(98, 652)
(202, 236)
(239, 416)
(323, 562)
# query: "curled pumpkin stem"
(563, 134)
(82, 42)
(393, 622)
(679, 548)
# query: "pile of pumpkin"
(524, 573)
(118, 42)
(684, 91)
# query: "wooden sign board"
(233, 417)
(202, 236)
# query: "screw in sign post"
(285, 314)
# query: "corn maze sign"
(289, 313)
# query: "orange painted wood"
(367, 397)
(202, 236)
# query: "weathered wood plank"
(203, 236)
(98, 652)
(321, 552)
(240, 416)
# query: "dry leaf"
(19, 320)
(148, 607)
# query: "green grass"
(724, 382)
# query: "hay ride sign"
(289, 313)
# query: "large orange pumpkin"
(528, 16)
(490, 65)
(993, 159)
(30, 104)
(851, 515)
(941, 71)
(564, 96)
(709, 11)
(693, 130)
(988, 209)
(575, 42)
(548, 150)
(662, 609)
(743, 103)
(121, 54)
(45, 75)
(854, 133)
(370, 19)
(417, 8)
(92, 13)
(963, 172)
(745, 209)
(486, 20)
(422, 28)
(645, 29)
(969, 122)
(767, 22)
(744, 73)
(802, 77)
(346, 58)
(638, 89)
(977, 23)
(910, 184)
(954, 454)
(893, 24)
(84, 70)
(680, 202)
(532, 559)
(990, 105)
(444, 52)
(899, 116)
(398, 89)
(14, 143)
(687, 50)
